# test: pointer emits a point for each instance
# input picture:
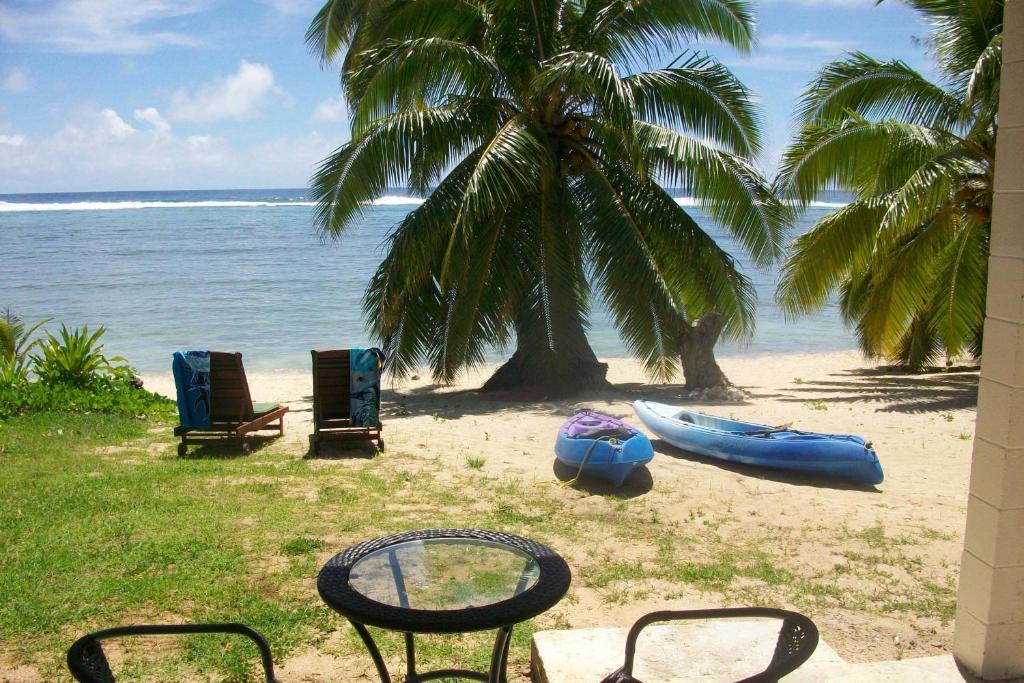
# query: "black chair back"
(88, 663)
(798, 638)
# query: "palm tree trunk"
(696, 344)
(569, 369)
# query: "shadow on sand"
(899, 391)
(436, 401)
(342, 450)
(781, 476)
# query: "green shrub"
(16, 344)
(113, 392)
(76, 357)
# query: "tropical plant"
(75, 357)
(539, 145)
(16, 343)
(908, 257)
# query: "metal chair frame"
(88, 664)
(797, 641)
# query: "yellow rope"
(586, 456)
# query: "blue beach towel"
(364, 387)
(192, 379)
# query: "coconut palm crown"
(908, 257)
(539, 148)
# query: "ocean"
(244, 270)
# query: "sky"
(99, 95)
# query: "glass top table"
(443, 581)
(444, 573)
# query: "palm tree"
(908, 257)
(540, 160)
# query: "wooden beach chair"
(332, 394)
(233, 415)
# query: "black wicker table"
(443, 581)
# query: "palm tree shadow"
(430, 400)
(639, 482)
(897, 391)
(780, 476)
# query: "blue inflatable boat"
(602, 446)
(836, 455)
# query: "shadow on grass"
(227, 449)
(637, 484)
(782, 476)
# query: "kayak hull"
(610, 460)
(836, 455)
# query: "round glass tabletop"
(444, 574)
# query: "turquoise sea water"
(244, 270)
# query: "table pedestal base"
(496, 674)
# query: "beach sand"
(907, 531)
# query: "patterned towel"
(364, 386)
(192, 379)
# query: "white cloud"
(151, 116)
(12, 140)
(98, 26)
(113, 125)
(236, 97)
(98, 150)
(16, 80)
(805, 41)
(333, 109)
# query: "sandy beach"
(907, 531)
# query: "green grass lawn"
(101, 524)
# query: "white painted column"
(989, 638)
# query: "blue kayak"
(838, 455)
(605, 446)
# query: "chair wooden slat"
(331, 400)
(231, 410)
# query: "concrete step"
(710, 651)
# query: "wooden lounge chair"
(233, 415)
(332, 419)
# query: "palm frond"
(822, 258)
(589, 78)
(333, 26)
(639, 295)
(958, 304)
(361, 170)
(418, 73)
(403, 300)
(851, 155)
(702, 97)
(514, 161)
(728, 188)
(640, 31)
(982, 88)
(861, 86)
(901, 282)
